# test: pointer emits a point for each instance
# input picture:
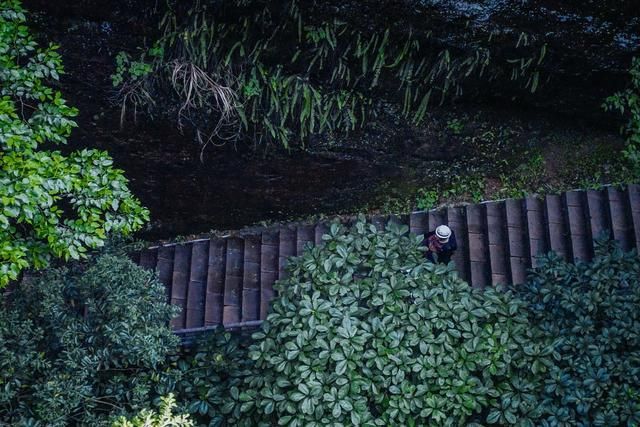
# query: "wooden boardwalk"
(229, 280)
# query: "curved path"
(229, 280)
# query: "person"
(441, 244)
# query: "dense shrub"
(164, 417)
(203, 376)
(51, 204)
(366, 332)
(592, 313)
(363, 332)
(80, 346)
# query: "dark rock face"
(590, 43)
(590, 49)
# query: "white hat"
(443, 233)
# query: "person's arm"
(429, 253)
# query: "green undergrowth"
(506, 157)
(505, 161)
(363, 332)
(163, 417)
(282, 72)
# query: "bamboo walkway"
(229, 280)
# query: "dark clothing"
(443, 251)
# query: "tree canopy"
(52, 204)
(81, 344)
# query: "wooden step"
(232, 311)
(478, 250)
(457, 221)
(380, 221)
(268, 270)
(419, 223)
(519, 256)
(216, 273)
(287, 248)
(197, 291)
(498, 242)
(229, 281)
(305, 235)
(620, 217)
(321, 229)
(251, 278)
(436, 218)
(538, 244)
(577, 215)
(598, 212)
(633, 191)
(180, 283)
(399, 219)
(557, 229)
(164, 268)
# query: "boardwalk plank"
(498, 242)
(399, 219)
(180, 281)
(164, 267)
(436, 218)
(620, 223)
(633, 191)
(251, 279)
(457, 222)
(558, 232)
(380, 221)
(286, 249)
(233, 281)
(518, 251)
(599, 223)
(419, 223)
(538, 243)
(216, 272)
(305, 234)
(478, 250)
(321, 229)
(575, 205)
(268, 270)
(196, 294)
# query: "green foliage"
(455, 126)
(426, 199)
(461, 188)
(51, 204)
(526, 178)
(134, 70)
(366, 332)
(163, 418)
(465, 187)
(628, 103)
(279, 72)
(205, 376)
(77, 346)
(590, 312)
